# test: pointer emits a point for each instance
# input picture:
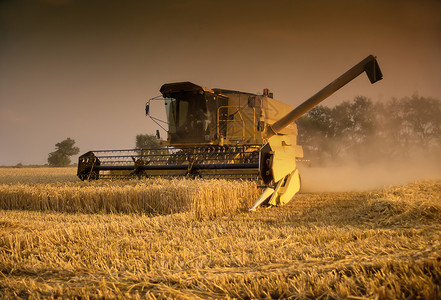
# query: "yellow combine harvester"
(218, 133)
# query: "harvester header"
(220, 133)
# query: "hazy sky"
(84, 69)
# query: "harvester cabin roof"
(226, 92)
(186, 86)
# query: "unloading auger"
(219, 133)
(278, 167)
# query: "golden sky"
(84, 69)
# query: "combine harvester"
(223, 134)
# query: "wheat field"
(69, 239)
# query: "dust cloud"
(352, 176)
(366, 145)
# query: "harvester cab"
(218, 133)
(218, 117)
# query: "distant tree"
(410, 124)
(316, 133)
(316, 122)
(354, 127)
(365, 131)
(423, 119)
(147, 141)
(331, 133)
(64, 149)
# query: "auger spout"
(368, 65)
(278, 168)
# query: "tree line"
(365, 130)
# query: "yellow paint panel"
(291, 187)
(284, 157)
